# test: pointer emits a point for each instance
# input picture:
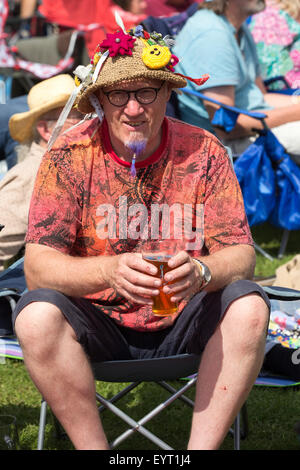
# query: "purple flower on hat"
(139, 31)
(118, 43)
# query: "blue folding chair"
(269, 179)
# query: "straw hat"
(43, 97)
(129, 56)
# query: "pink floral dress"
(277, 38)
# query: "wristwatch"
(205, 272)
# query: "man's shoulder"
(184, 130)
(205, 20)
(193, 143)
(80, 135)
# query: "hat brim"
(84, 105)
(21, 124)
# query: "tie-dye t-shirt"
(85, 203)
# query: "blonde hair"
(292, 7)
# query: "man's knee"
(249, 315)
(39, 323)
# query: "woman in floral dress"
(276, 32)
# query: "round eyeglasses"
(143, 96)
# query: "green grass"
(268, 237)
(272, 415)
(272, 412)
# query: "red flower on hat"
(174, 61)
(118, 43)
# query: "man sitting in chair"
(93, 207)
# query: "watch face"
(206, 273)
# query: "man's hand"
(132, 277)
(185, 277)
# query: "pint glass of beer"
(158, 252)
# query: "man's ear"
(43, 129)
(169, 91)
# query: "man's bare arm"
(127, 273)
(226, 266)
(230, 264)
(285, 110)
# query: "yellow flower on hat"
(156, 56)
(77, 81)
(96, 59)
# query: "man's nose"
(133, 107)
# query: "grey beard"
(136, 144)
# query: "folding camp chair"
(157, 370)
(18, 62)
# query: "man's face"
(138, 7)
(135, 120)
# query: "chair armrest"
(279, 78)
(226, 116)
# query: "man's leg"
(61, 371)
(229, 366)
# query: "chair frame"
(160, 371)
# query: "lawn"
(272, 412)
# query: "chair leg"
(42, 424)
(263, 252)
(283, 244)
(138, 425)
(135, 426)
(237, 432)
(119, 395)
(171, 389)
(245, 421)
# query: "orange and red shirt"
(85, 203)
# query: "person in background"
(27, 11)
(216, 40)
(71, 13)
(167, 7)
(32, 130)
(276, 32)
(136, 7)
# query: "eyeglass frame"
(129, 92)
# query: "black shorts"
(103, 339)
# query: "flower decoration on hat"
(118, 43)
(173, 61)
(138, 31)
(82, 74)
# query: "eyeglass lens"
(143, 96)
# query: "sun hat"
(127, 56)
(43, 97)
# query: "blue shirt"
(207, 44)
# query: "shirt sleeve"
(55, 208)
(225, 220)
(210, 51)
